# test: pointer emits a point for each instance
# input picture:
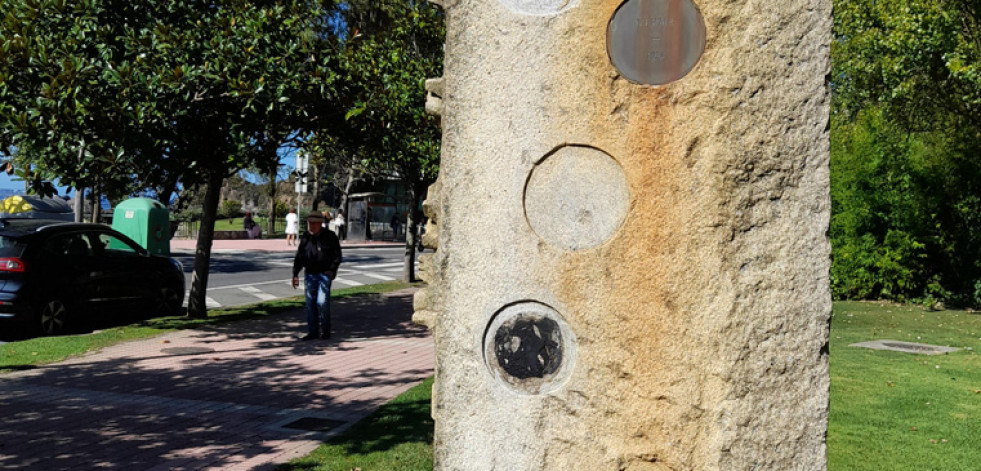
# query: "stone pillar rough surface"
(661, 248)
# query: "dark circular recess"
(528, 346)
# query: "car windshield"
(11, 246)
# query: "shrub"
(231, 208)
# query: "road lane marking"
(258, 283)
(258, 293)
(347, 282)
(377, 265)
(208, 302)
(378, 277)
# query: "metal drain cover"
(314, 424)
(187, 350)
(905, 347)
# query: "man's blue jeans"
(317, 290)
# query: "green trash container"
(146, 221)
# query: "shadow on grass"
(390, 425)
(375, 440)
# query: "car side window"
(66, 245)
(114, 246)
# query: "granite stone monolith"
(632, 265)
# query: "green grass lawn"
(889, 410)
(235, 224)
(397, 436)
(43, 350)
(898, 411)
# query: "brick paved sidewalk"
(216, 398)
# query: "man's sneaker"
(309, 337)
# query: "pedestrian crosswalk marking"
(367, 266)
(258, 293)
(276, 282)
(208, 301)
(347, 282)
(352, 275)
(378, 277)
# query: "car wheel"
(168, 302)
(54, 317)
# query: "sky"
(7, 182)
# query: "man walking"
(319, 255)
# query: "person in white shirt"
(292, 227)
(339, 225)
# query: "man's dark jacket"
(317, 253)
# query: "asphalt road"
(246, 277)
(249, 276)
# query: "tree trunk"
(79, 192)
(271, 225)
(409, 269)
(313, 179)
(347, 190)
(96, 206)
(196, 305)
(79, 204)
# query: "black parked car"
(53, 273)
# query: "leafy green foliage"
(919, 60)
(390, 48)
(123, 96)
(281, 209)
(132, 95)
(231, 208)
(393, 48)
(906, 115)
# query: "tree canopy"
(145, 94)
(129, 95)
(906, 142)
(125, 96)
(387, 51)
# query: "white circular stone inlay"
(576, 198)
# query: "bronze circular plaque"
(655, 42)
